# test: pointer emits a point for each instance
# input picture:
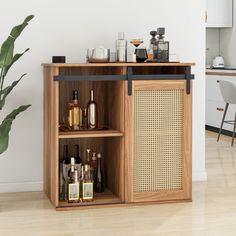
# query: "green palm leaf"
(5, 127)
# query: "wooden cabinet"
(219, 13)
(215, 104)
(146, 147)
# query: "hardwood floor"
(212, 212)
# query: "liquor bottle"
(87, 162)
(161, 47)
(92, 112)
(93, 165)
(153, 41)
(87, 194)
(121, 47)
(99, 185)
(65, 168)
(74, 112)
(73, 184)
(78, 161)
(62, 188)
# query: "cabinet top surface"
(221, 72)
(59, 65)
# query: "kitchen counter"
(221, 72)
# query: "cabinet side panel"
(46, 169)
(51, 123)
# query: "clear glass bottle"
(62, 183)
(74, 111)
(87, 161)
(99, 184)
(161, 47)
(121, 47)
(87, 194)
(92, 112)
(73, 184)
(65, 169)
(78, 161)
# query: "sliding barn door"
(158, 142)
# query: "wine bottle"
(93, 165)
(74, 111)
(92, 112)
(87, 194)
(87, 156)
(62, 188)
(73, 184)
(99, 185)
(78, 161)
(65, 168)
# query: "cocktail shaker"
(121, 47)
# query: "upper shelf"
(116, 64)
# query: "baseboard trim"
(199, 176)
(214, 129)
(21, 187)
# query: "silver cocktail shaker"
(121, 47)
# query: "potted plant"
(7, 59)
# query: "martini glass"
(136, 42)
(141, 53)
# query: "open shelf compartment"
(109, 96)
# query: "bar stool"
(228, 91)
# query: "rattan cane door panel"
(160, 165)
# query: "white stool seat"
(228, 91)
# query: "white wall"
(212, 44)
(69, 28)
(227, 42)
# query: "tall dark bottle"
(78, 161)
(99, 185)
(92, 112)
(65, 167)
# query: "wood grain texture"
(61, 65)
(221, 73)
(129, 144)
(51, 124)
(114, 150)
(115, 110)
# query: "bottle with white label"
(73, 184)
(92, 112)
(87, 189)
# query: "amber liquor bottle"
(74, 111)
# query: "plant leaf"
(16, 31)
(6, 52)
(7, 90)
(14, 59)
(5, 127)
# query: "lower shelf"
(105, 198)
